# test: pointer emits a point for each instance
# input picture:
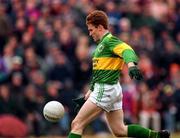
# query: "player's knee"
(76, 125)
(120, 132)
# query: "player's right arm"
(129, 56)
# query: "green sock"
(141, 132)
(72, 135)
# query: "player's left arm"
(131, 59)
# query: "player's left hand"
(134, 72)
(79, 103)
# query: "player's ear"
(100, 27)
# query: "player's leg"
(115, 122)
(87, 113)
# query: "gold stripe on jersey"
(118, 50)
(107, 63)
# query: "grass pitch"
(175, 135)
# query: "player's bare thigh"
(116, 123)
(87, 113)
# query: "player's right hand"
(135, 73)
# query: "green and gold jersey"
(108, 59)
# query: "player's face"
(93, 32)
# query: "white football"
(53, 111)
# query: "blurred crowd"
(45, 54)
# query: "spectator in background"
(6, 102)
(8, 54)
(52, 91)
(124, 25)
(148, 108)
(32, 61)
(130, 98)
(113, 14)
(81, 63)
(60, 72)
(48, 34)
(169, 109)
(17, 67)
(67, 44)
(148, 69)
(33, 110)
(20, 27)
(3, 71)
(16, 86)
(64, 95)
(39, 36)
(52, 50)
(37, 78)
(26, 41)
(176, 98)
(158, 9)
(5, 27)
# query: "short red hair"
(97, 18)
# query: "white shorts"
(106, 96)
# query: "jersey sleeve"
(130, 56)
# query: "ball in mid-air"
(53, 111)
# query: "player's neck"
(104, 32)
